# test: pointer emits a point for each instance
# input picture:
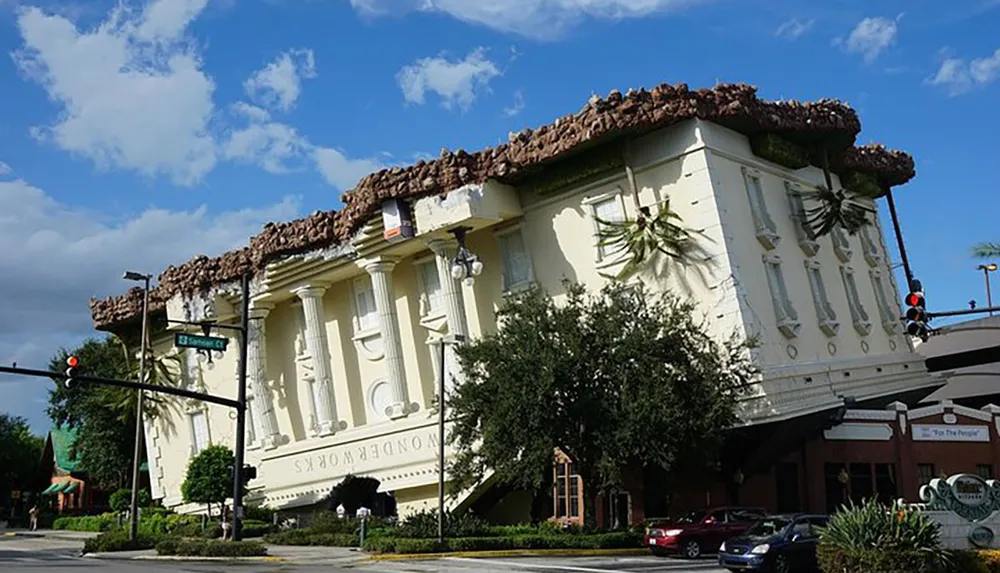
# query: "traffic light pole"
(241, 412)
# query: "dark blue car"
(777, 543)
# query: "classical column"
(319, 350)
(380, 270)
(454, 304)
(267, 420)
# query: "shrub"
(254, 528)
(121, 499)
(424, 525)
(104, 522)
(309, 537)
(328, 522)
(881, 538)
(620, 540)
(258, 513)
(118, 540)
(210, 548)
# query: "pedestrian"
(227, 524)
(33, 517)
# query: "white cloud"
(959, 76)
(131, 90)
(279, 84)
(518, 105)
(457, 82)
(870, 37)
(341, 171)
(794, 28)
(540, 19)
(58, 256)
(5, 169)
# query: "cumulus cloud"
(132, 92)
(870, 38)
(959, 76)
(456, 82)
(341, 171)
(539, 19)
(794, 28)
(57, 256)
(279, 84)
(516, 107)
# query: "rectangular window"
(788, 318)
(609, 210)
(364, 302)
(251, 436)
(568, 492)
(858, 314)
(191, 368)
(885, 483)
(767, 231)
(517, 271)
(430, 286)
(985, 471)
(841, 244)
(803, 230)
(872, 251)
(925, 473)
(889, 315)
(301, 348)
(199, 429)
(824, 310)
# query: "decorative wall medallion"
(380, 399)
(792, 351)
(981, 537)
(831, 348)
(865, 347)
(950, 418)
(966, 495)
(892, 344)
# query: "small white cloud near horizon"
(5, 169)
(279, 84)
(794, 28)
(870, 38)
(516, 107)
(457, 82)
(959, 77)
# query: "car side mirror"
(796, 537)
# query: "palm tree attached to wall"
(986, 251)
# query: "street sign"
(182, 340)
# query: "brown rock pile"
(733, 105)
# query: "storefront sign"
(950, 433)
(981, 537)
(966, 495)
(969, 490)
(364, 456)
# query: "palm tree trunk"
(630, 175)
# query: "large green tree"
(209, 479)
(616, 380)
(20, 453)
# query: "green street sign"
(200, 342)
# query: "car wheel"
(781, 564)
(692, 550)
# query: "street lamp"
(443, 342)
(987, 269)
(465, 266)
(134, 503)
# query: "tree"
(354, 492)
(20, 454)
(615, 379)
(986, 251)
(121, 500)
(209, 479)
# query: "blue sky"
(135, 135)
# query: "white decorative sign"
(949, 433)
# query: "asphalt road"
(39, 555)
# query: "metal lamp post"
(465, 266)
(134, 503)
(987, 269)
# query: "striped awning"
(53, 489)
(70, 487)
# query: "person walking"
(227, 523)
(33, 517)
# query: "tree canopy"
(611, 379)
(20, 454)
(354, 492)
(208, 479)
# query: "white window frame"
(193, 427)
(765, 228)
(192, 369)
(890, 320)
(500, 236)
(870, 248)
(426, 306)
(841, 244)
(369, 322)
(859, 316)
(825, 312)
(803, 231)
(787, 317)
(591, 204)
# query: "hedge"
(310, 537)
(118, 540)
(210, 548)
(103, 522)
(412, 546)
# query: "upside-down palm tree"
(986, 251)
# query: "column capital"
(442, 247)
(378, 264)
(260, 310)
(312, 290)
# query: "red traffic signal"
(72, 361)
(915, 299)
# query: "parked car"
(778, 544)
(702, 531)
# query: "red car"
(702, 531)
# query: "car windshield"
(692, 517)
(768, 527)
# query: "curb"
(112, 557)
(512, 553)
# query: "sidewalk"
(276, 553)
(80, 536)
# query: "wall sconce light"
(465, 266)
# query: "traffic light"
(916, 314)
(249, 473)
(71, 362)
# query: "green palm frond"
(834, 209)
(647, 238)
(986, 251)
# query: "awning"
(52, 489)
(144, 467)
(70, 487)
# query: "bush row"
(111, 541)
(104, 522)
(210, 548)
(385, 544)
(311, 537)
